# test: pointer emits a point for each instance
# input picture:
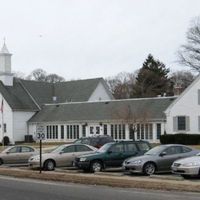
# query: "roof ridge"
(114, 100)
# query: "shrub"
(180, 138)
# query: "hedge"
(181, 138)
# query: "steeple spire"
(4, 49)
(5, 66)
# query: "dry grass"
(92, 179)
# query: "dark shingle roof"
(31, 95)
(151, 108)
(42, 92)
(17, 97)
(76, 91)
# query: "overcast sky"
(93, 38)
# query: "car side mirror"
(163, 154)
(7, 152)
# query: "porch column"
(154, 132)
(127, 132)
(59, 132)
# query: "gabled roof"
(183, 93)
(106, 110)
(17, 98)
(76, 91)
(41, 92)
(31, 95)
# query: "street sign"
(40, 130)
(40, 136)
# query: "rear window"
(80, 148)
(186, 149)
(143, 146)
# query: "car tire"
(149, 168)
(49, 165)
(1, 161)
(96, 166)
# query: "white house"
(183, 114)
(21, 99)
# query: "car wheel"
(1, 161)
(49, 165)
(96, 166)
(149, 168)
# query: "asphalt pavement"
(28, 189)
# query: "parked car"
(158, 159)
(62, 156)
(95, 141)
(111, 155)
(187, 167)
(17, 154)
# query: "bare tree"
(37, 75)
(189, 53)
(121, 85)
(132, 115)
(41, 75)
(182, 79)
(53, 78)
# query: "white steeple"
(5, 66)
(4, 49)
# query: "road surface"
(27, 189)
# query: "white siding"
(7, 119)
(187, 105)
(100, 93)
(32, 130)
(20, 124)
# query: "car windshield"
(105, 147)
(58, 149)
(156, 150)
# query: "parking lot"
(108, 176)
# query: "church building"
(69, 110)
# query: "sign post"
(40, 136)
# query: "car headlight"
(191, 164)
(83, 159)
(136, 162)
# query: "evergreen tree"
(152, 79)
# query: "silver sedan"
(158, 159)
(62, 156)
(17, 154)
(187, 167)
